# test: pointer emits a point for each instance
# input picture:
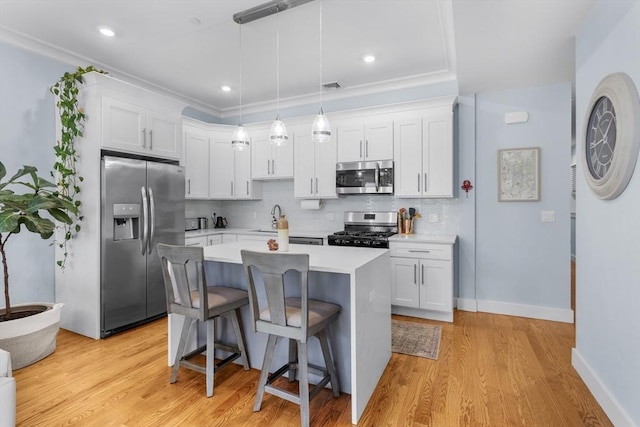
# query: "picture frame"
(519, 174)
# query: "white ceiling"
(485, 44)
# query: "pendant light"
(321, 130)
(240, 138)
(278, 133)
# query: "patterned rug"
(415, 339)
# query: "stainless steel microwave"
(364, 177)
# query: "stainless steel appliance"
(366, 229)
(299, 240)
(191, 224)
(364, 177)
(142, 205)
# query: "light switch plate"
(548, 216)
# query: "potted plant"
(29, 332)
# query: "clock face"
(600, 141)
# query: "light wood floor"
(492, 370)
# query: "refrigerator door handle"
(145, 217)
(152, 223)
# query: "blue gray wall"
(607, 353)
(27, 137)
(520, 259)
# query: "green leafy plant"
(25, 209)
(72, 120)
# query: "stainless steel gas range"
(370, 229)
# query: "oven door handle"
(377, 177)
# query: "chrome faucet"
(274, 218)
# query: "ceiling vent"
(332, 85)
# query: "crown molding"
(65, 56)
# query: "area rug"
(415, 339)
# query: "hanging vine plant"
(72, 119)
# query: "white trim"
(467, 304)
(601, 393)
(441, 316)
(530, 311)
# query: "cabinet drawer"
(421, 250)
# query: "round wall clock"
(611, 136)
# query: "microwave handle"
(377, 177)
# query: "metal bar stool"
(294, 318)
(188, 295)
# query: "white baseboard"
(603, 396)
(522, 310)
(423, 314)
(467, 304)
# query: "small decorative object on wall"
(611, 136)
(519, 175)
(466, 186)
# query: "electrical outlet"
(372, 295)
(254, 214)
(330, 216)
(433, 217)
(548, 216)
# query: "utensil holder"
(406, 226)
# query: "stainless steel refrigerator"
(142, 205)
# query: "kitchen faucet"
(274, 219)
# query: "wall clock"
(611, 136)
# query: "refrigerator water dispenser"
(126, 217)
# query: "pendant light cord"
(321, 110)
(278, 65)
(240, 84)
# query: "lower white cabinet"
(422, 280)
(213, 239)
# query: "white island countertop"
(293, 232)
(331, 259)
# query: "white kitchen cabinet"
(196, 163)
(367, 141)
(423, 155)
(315, 167)
(213, 239)
(270, 161)
(230, 171)
(137, 129)
(422, 280)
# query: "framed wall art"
(519, 175)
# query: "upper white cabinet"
(270, 161)
(364, 141)
(196, 162)
(315, 167)
(423, 155)
(134, 128)
(230, 170)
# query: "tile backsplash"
(240, 213)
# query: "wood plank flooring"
(492, 370)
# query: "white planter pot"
(30, 339)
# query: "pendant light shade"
(278, 133)
(240, 138)
(321, 129)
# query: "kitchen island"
(357, 279)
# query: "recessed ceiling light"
(105, 31)
(195, 21)
(225, 88)
(369, 58)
